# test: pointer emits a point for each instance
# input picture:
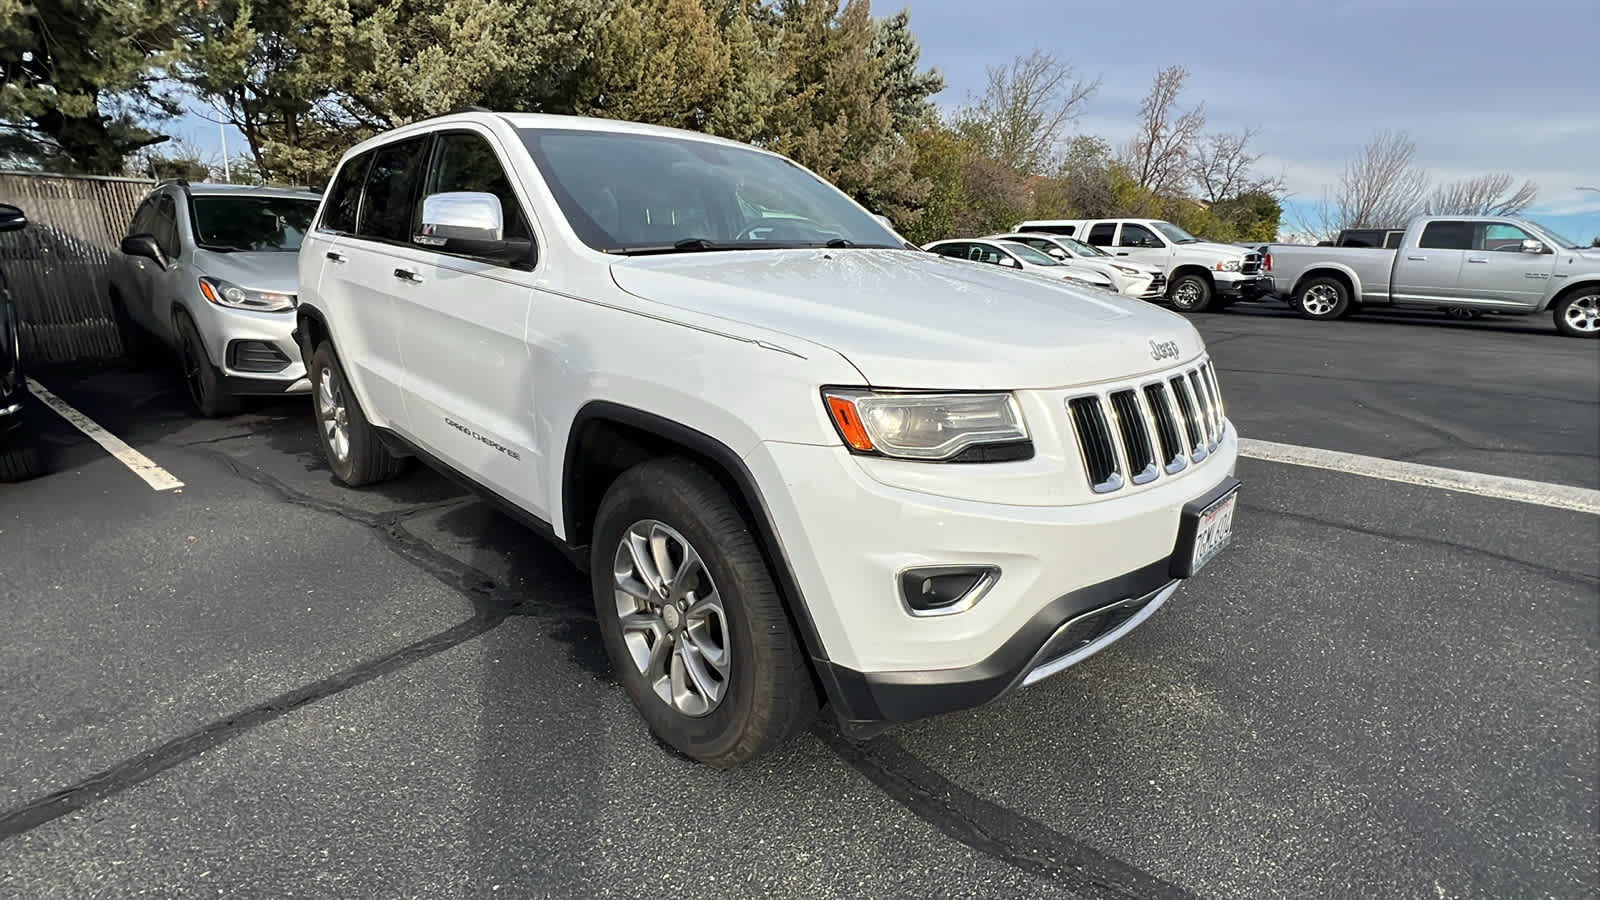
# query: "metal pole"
(222, 132)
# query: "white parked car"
(1135, 279)
(1018, 256)
(810, 465)
(1200, 274)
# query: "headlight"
(224, 293)
(1126, 270)
(1231, 265)
(953, 427)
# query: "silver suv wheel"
(672, 619)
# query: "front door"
(1497, 268)
(1141, 244)
(462, 326)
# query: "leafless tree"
(1482, 195)
(1221, 167)
(1380, 187)
(1024, 109)
(1158, 156)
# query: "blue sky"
(1480, 87)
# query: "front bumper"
(1247, 287)
(847, 536)
(255, 352)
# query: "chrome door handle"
(1417, 258)
(408, 275)
(336, 257)
(1477, 259)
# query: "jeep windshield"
(638, 193)
(1174, 233)
(246, 223)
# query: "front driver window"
(1501, 237)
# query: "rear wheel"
(1323, 298)
(691, 619)
(200, 376)
(351, 445)
(1578, 313)
(1190, 293)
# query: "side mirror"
(884, 221)
(1010, 263)
(11, 218)
(470, 223)
(1531, 246)
(1057, 252)
(144, 245)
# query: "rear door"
(1496, 267)
(1430, 270)
(462, 326)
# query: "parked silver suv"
(208, 271)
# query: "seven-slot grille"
(1136, 432)
(1251, 265)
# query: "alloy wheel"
(673, 623)
(333, 415)
(1583, 314)
(1320, 300)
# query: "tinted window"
(1392, 239)
(344, 196)
(165, 225)
(1447, 236)
(1050, 229)
(143, 218)
(957, 250)
(1498, 236)
(252, 223)
(390, 202)
(466, 162)
(1100, 235)
(1137, 236)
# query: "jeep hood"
(918, 320)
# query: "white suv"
(1201, 275)
(801, 460)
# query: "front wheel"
(691, 619)
(1190, 293)
(1323, 298)
(1578, 313)
(200, 376)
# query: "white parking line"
(1560, 496)
(158, 478)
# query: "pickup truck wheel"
(200, 376)
(1323, 298)
(1578, 313)
(1190, 293)
(691, 620)
(349, 442)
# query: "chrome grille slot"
(1216, 391)
(1135, 432)
(1096, 443)
(1193, 425)
(1202, 400)
(1168, 431)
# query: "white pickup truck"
(799, 460)
(1201, 275)
(1475, 263)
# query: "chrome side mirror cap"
(471, 223)
(1531, 246)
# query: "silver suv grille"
(1138, 432)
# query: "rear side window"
(1100, 235)
(1391, 241)
(1050, 229)
(390, 202)
(344, 196)
(463, 161)
(1446, 236)
(959, 251)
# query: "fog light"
(944, 590)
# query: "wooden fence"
(57, 267)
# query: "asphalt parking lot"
(265, 684)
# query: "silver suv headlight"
(943, 427)
(224, 293)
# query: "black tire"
(365, 459)
(1190, 293)
(1578, 313)
(1323, 299)
(199, 375)
(22, 454)
(768, 696)
(142, 350)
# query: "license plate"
(1213, 532)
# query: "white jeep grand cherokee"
(802, 460)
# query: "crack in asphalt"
(992, 829)
(1578, 579)
(492, 605)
